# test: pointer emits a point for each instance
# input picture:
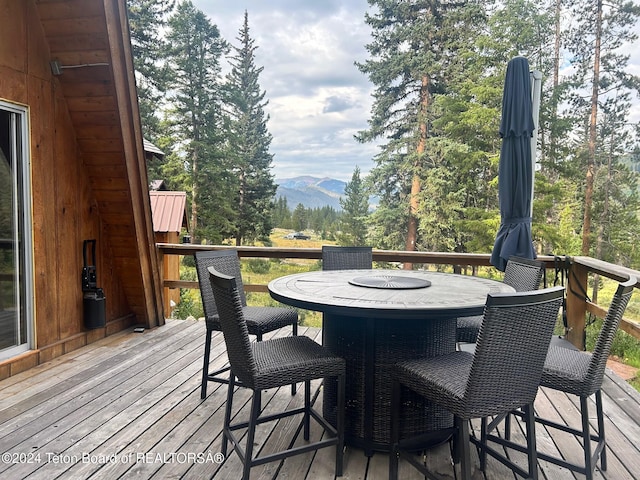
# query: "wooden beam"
(431, 258)
(126, 97)
(576, 304)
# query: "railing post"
(576, 304)
(166, 306)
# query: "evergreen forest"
(437, 68)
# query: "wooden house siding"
(88, 169)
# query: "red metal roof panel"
(168, 210)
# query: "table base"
(371, 346)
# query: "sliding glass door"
(16, 291)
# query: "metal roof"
(157, 185)
(151, 148)
(168, 210)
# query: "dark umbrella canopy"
(515, 176)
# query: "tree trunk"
(556, 80)
(194, 199)
(593, 119)
(416, 183)
(241, 200)
(604, 218)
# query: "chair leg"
(259, 339)
(251, 431)
(395, 429)
(507, 426)
(307, 408)
(340, 425)
(295, 334)
(590, 456)
(455, 445)
(532, 452)
(465, 449)
(602, 440)
(205, 365)
(482, 452)
(227, 415)
(208, 376)
(586, 437)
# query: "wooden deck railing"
(576, 275)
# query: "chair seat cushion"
(432, 379)
(287, 360)
(566, 370)
(261, 320)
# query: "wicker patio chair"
(522, 274)
(260, 320)
(580, 373)
(503, 374)
(346, 258)
(272, 364)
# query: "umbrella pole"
(536, 90)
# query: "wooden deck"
(129, 406)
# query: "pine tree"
(300, 217)
(600, 30)
(249, 142)
(414, 51)
(527, 28)
(147, 18)
(197, 124)
(355, 210)
(281, 213)
(616, 189)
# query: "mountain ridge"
(311, 192)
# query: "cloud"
(318, 99)
(337, 104)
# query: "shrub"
(624, 346)
(259, 266)
(188, 261)
(188, 306)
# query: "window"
(16, 262)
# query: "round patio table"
(375, 318)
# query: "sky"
(318, 99)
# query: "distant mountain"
(311, 192)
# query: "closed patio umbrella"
(515, 176)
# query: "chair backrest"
(511, 349)
(234, 327)
(610, 325)
(346, 258)
(523, 274)
(224, 261)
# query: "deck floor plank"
(47, 420)
(174, 387)
(39, 378)
(68, 424)
(615, 439)
(547, 440)
(70, 372)
(621, 430)
(561, 409)
(132, 395)
(84, 377)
